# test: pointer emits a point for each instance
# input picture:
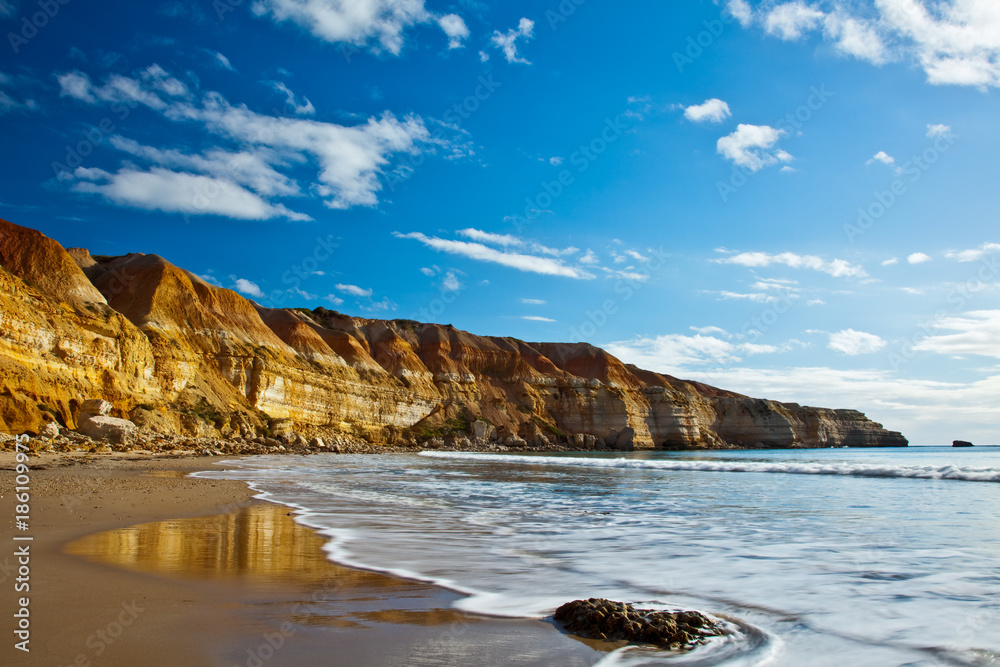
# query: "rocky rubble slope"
(182, 358)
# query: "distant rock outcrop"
(175, 354)
(961, 443)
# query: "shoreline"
(195, 571)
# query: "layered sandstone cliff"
(179, 354)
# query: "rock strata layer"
(175, 355)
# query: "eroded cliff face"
(152, 337)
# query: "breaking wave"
(949, 472)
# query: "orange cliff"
(178, 355)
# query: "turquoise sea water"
(876, 557)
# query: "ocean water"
(856, 557)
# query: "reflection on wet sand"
(257, 542)
(261, 544)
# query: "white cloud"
(555, 252)
(589, 257)
(838, 268)
(536, 318)
(210, 279)
(975, 254)
(918, 258)
(741, 11)
(519, 261)
(303, 108)
(636, 256)
(750, 146)
(955, 42)
(160, 189)
(533, 302)
(451, 282)
(890, 262)
(507, 42)
(776, 285)
(333, 299)
(978, 334)
(856, 37)
(8, 102)
(245, 168)
(428, 272)
(790, 20)
(938, 130)
(709, 111)
(455, 28)
(246, 287)
(223, 61)
(349, 159)
(379, 306)
(853, 343)
(353, 290)
(377, 24)
(756, 297)
(709, 330)
(882, 157)
(488, 237)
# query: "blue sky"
(794, 200)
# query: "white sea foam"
(950, 472)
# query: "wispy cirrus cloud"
(975, 254)
(353, 290)
(489, 237)
(838, 268)
(515, 260)
(976, 333)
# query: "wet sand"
(132, 563)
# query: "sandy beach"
(133, 563)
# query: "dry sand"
(132, 563)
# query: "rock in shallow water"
(606, 620)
